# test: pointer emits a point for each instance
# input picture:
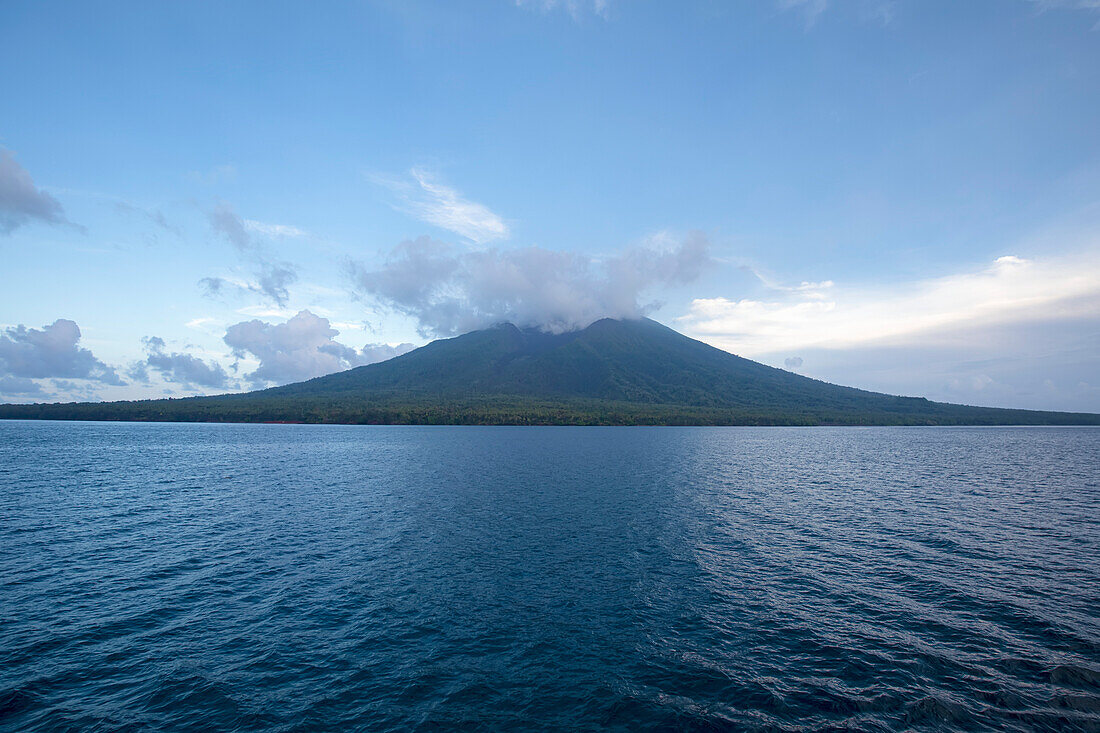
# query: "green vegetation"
(611, 373)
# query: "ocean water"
(294, 578)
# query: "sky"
(898, 195)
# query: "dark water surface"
(278, 577)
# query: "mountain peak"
(622, 360)
(615, 371)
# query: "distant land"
(615, 372)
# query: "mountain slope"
(613, 372)
(630, 361)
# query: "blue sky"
(902, 196)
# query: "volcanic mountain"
(614, 372)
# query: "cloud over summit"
(450, 290)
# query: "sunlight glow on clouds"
(1012, 289)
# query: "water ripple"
(290, 578)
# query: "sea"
(180, 577)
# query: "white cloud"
(575, 8)
(450, 290)
(199, 324)
(1073, 4)
(884, 11)
(813, 290)
(284, 231)
(273, 278)
(1012, 289)
(429, 200)
(811, 10)
(302, 348)
(225, 221)
(217, 174)
(52, 351)
(1049, 364)
(179, 367)
(272, 281)
(881, 12)
(263, 311)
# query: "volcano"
(614, 372)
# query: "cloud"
(260, 311)
(806, 289)
(1011, 289)
(878, 11)
(224, 221)
(217, 174)
(283, 231)
(21, 201)
(272, 281)
(374, 353)
(431, 201)
(51, 352)
(793, 362)
(302, 348)
(19, 386)
(178, 367)
(810, 10)
(1088, 6)
(883, 12)
(1071, 4)
(212, 286)
(65, 389)
(274, 278)
(452, 291)
(156, 216)
(575, 8)
(1049, 364)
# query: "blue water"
(279, 577)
